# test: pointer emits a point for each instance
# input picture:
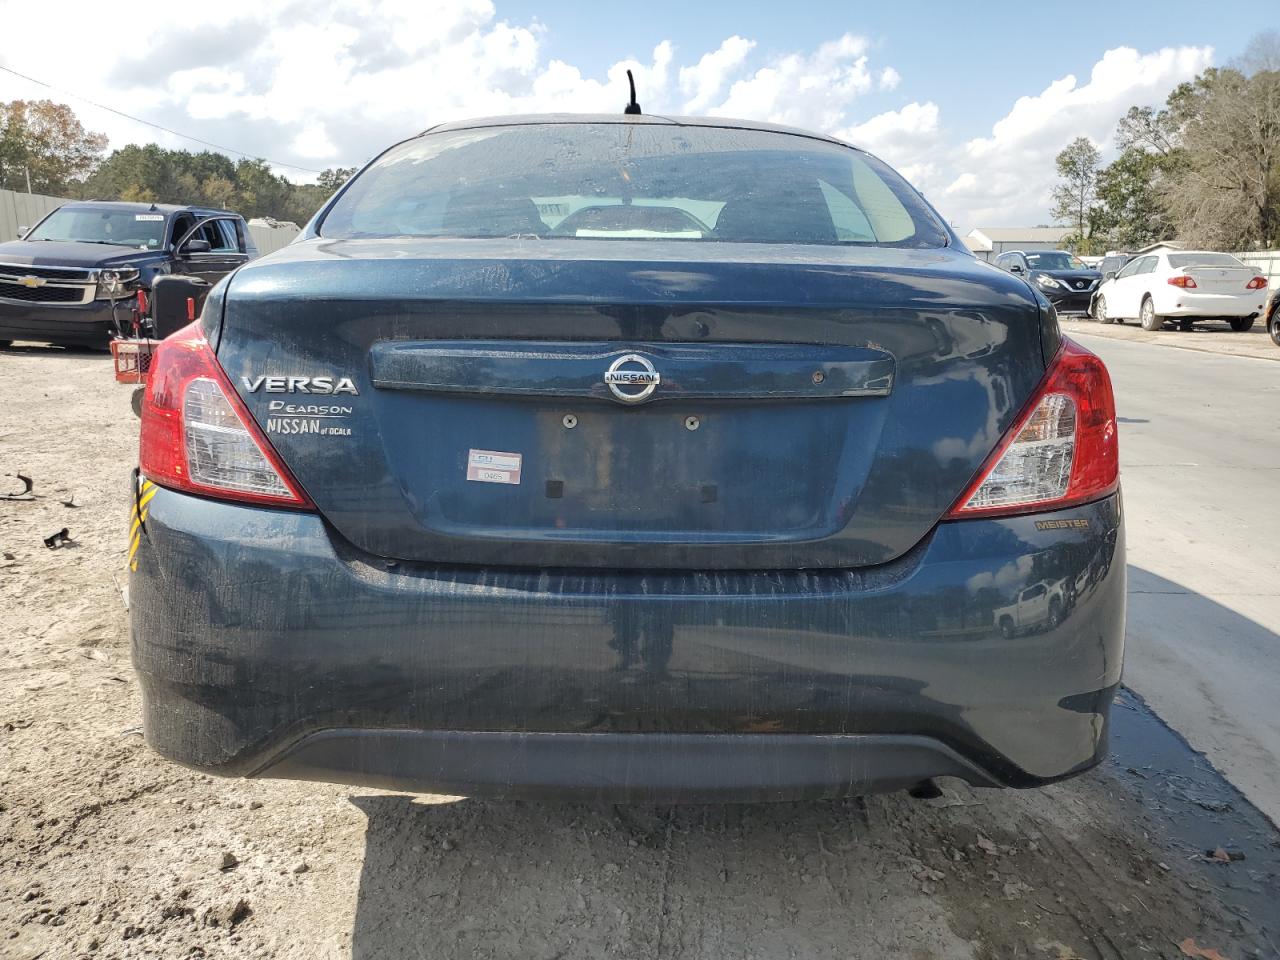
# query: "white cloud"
(1007, 177)
(351, 76)
(908, 139)
(813, 90)
(703, 81)
(914, 122)
(313, 143)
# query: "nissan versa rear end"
(628, 458)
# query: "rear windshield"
(97, 225)
(627, 181)
(1180, 261)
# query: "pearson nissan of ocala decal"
(295, 417)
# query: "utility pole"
(27, 171)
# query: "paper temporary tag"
(491, 466)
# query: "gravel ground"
(108, 851)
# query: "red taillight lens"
(1061, 450)
(1186, 283)
(198, 437)
(1257, 283)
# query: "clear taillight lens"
(197, 436)
(1037, 465)
(1061, 450)
(220, 451)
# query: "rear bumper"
(1187, 303)
(265, 646)
(1070, 301)
(87, 324)
(624, 767)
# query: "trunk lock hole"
(570, 421)
(692, 423)
(818, 376)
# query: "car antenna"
(632, 107)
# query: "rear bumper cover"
(1069, 301)
(266, 646)
(87, 324)
(1174, 302)
(621, 767)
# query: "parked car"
(1272, 313)
(1182, 286)
(1113, 263)
(625, 457)
(1066, 280)
(58, 283)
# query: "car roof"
(645, 119)
(129, 206)
(1028, 253)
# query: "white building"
(1164, 246)
(989, 242)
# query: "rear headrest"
(789, 214)
(503, 217)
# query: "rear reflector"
(1186, 283)
(1257, 283)
(1061, 450)
(198, 437)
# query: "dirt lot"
(107, 851)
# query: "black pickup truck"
(59, 282)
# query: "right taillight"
(1061, 450)
(196, 435)
(1186, 283)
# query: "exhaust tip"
(925, 790)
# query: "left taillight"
(197, 436)
(1061, 450)
(1257, 283)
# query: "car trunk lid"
(1221, 280)
(809, 406)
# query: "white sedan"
(1183, 286)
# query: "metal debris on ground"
(61, 538)
(25, 493)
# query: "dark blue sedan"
(629, 458)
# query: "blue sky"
(969, 59)
(970, 101)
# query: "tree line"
(1203, 169)
(44, 148)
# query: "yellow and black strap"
(146, 490)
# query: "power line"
(148, 123)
